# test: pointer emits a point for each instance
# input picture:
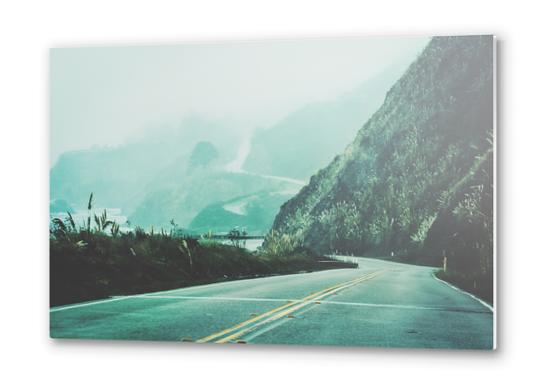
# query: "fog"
(108, 95)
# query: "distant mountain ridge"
(417, 181)
(119, 176)
(308, 139)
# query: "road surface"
(380, 304)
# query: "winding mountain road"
(380, 304)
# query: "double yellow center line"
(233, 333)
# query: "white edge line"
(149, 296)
(159, 293)
(395, 306)
(220, 298)
(155, 296)
(465, 293)
(117, 298)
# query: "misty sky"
(107, 95)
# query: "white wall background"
(28, 29)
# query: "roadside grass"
(129, 264)
(482, 288)
(96, 260)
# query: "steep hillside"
(417, 181)
(308, 139)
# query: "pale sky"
(107, 95)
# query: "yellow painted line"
(300, 305)
(254, 319)
(271, 312)
(242, 324)
(263, 315)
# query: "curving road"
(380, 304)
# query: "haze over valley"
(210, 173)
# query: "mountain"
(120, 176)
(308, 139)
(416, 183)
(169, 174)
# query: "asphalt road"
(380, 304)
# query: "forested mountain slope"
(417, 181)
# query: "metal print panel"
(333, 192)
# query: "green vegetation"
(97, 260)
(416, 184)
